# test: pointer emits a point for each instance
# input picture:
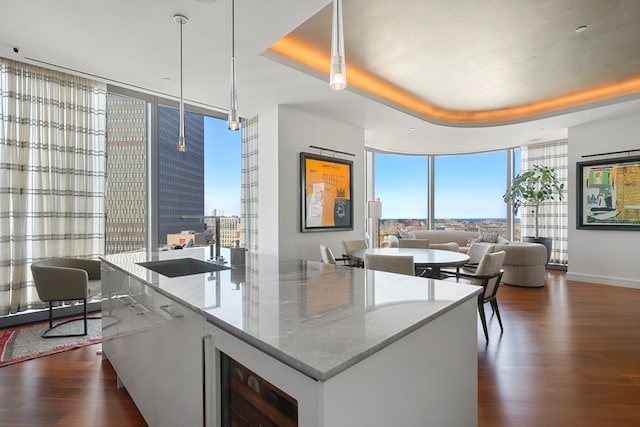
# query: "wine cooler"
(248, 400)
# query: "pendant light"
(338, 76)
(233, 122)
(182, 20)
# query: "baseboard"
(604, 280)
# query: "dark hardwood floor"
(569, 356)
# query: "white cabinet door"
(109, 279)
(144, 345)
(118, 326)
(179, 357)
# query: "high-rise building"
(229, 230)
(180, 175)
(126, 174)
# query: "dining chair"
(414, 243)
(348, 246)
(66, 279)
(327, 255)
(402, 264)
(488, 276)
(476, 252)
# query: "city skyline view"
(466, 186)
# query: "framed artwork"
(326, 185)
(608, 194)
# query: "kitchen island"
(303, 343)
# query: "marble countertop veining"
(318, 319)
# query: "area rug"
(21, 343)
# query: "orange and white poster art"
(327, 192)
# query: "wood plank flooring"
(569, 356)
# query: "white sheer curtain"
(249, 187)
(52, 174)
(249, 220)
(553, 215)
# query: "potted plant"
(531, 189)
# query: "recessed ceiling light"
(580, 29)
(412, 129)
(166, 79)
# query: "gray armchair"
(66, 279)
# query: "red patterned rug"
(21, 343)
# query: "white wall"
(602, 256)
(284, 133)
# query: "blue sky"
(467, 186)
(222, 153)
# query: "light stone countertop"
(316, 318)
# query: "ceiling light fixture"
(233, 122)
(580, 29)
(182, 20)
(338, 76)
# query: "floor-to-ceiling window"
(203, 183)
(401, 185)
(468, 192)
(222, 175)
(180, 175)
(155, 193)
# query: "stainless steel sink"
(182, 267)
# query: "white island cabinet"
(155, 346)
(294, 342)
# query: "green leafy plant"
(532, 188)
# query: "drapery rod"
(611, 152)
(333, 151)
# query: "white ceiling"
(462, 54)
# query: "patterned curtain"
(249, 187)
(554, 214)
(52, 174)
(249, 219)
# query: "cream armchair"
(66, 279)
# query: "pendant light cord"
(233, 122)
(181, 82)
(182, 20)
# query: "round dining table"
(428, 260)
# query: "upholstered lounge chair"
(66, 279)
